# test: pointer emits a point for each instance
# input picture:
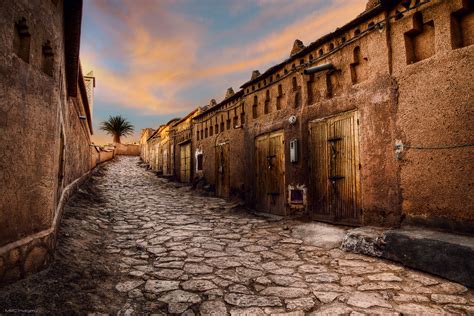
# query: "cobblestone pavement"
(133, 243)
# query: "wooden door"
(185, 163)
(270, 173)
(222, 170)
(165, 162)
(335, 169)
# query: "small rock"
(285, 292)
(326, 297)
(158, 286)
(304, 304)
(213, 308)
(366, 300)
(384, 277)
(197, 268)
(253, 311)
(245, 300)
(444, 299)
(128, 285)
(198, 285)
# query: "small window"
(199, 162)
(343, 39)
(228, 124)
(242, 118)
(258, 85)
(331, 46)
(236, 121)
(216, 128)
(301, 61)
(271, 79)
(294, 84)
(286, 71)
(310, 57)
(297, 99)
(266, 108)
(21, 41)
(197, 135)
(206, 132)
(278, 76)
(357, 32)
(279, 96)
(462, 30)
(48, 59)
(293, 66)
(211, 131)
(371, 25)
(255, 107)
(222, 126)
(253, 88)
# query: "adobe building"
(45, 128)
(154, 144)
(144, 148)
(182, 136)
(217, 145)
(368, 125)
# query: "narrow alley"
(131, 242)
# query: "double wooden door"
(185, 163)
(222, 170)
(335, 165)
(270, 173)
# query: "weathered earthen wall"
(127, 149)
(370, 94)
(45, 145)
(435, 120)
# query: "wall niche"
(358, 66)
(420, 40)
(462, 26)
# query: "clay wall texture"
(127, 149)
(406, 77)
(435, 117)
(227, 116)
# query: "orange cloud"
(160, 51)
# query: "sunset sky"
(158, 59)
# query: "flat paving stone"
(133, 243)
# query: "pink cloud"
(160, 49)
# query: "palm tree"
(117, 126)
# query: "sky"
(155, 60)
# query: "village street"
(133, 243)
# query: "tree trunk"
(117, 139)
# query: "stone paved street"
(131, 242)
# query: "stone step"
(447, 255)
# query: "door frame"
(219, 148)
(331, 218)
(263, 201)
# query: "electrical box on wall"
(294, 151)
